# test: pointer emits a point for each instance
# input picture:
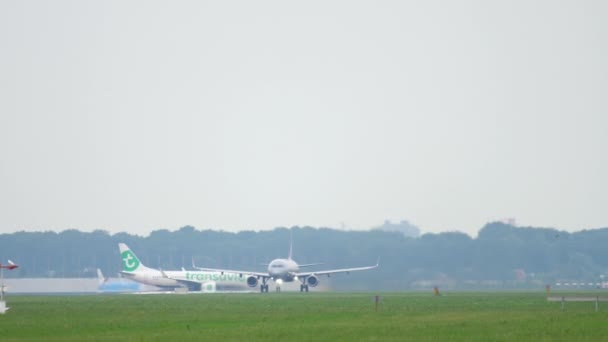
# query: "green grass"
(309, 317)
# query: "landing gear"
(303, 288)
(264, 286)
(278, 288)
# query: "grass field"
(309, 317)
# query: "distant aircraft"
(192, 280)
(286, 270)
(11, 266)
(116, 285)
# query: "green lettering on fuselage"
(204, 276)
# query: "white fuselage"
(172, 278)
(284, 269)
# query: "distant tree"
(403, 227)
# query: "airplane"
(201, 281)
(117, 285)
(286, 270)
(11, 265)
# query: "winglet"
(196, 267)
(290, 243)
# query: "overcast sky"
(140, 115)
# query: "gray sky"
(140, 115)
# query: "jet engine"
(252, 281)
(312, 281)
(209, 287)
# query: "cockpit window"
(276, 266)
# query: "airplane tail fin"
(130, 262)
(290, 244)
(100, 278)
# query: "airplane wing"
(187, 283)
(343, 270)
(315, 264)
(191, 284)
(241, 273)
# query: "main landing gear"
(303, 288)
(264, 286)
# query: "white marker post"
(377, 300)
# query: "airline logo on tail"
(129, 261)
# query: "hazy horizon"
(137, 116)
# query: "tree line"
(501, 255)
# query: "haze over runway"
(135, 116)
